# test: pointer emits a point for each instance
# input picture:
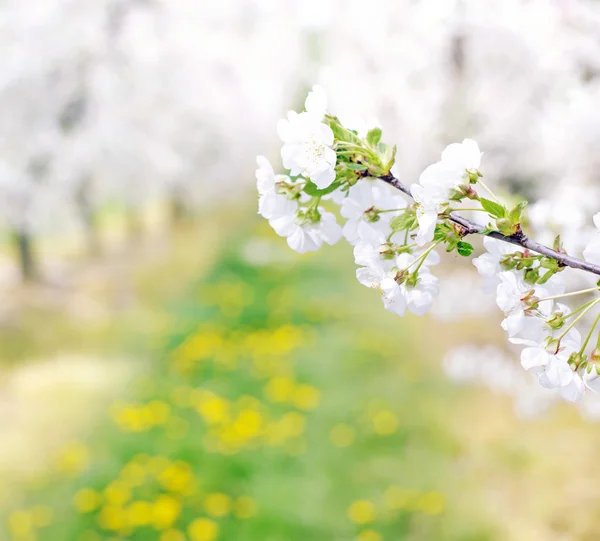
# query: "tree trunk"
(27, 263)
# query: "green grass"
(284, 387)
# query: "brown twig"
(518, 239)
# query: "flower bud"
(387, 251)
(555, 321)
(591, 372)
(576, 360)
(551, 345)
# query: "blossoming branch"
(394, 240)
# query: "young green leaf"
(374, 136)
(464, 248)
(493, 208)
(515, 214)
(311, 188)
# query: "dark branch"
(519, 238)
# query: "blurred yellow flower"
(213, 409)
(342, 435)
(117, 493)
(306, 397)
(87, 500)
(74, 458)
(160, 412)
(369, 535)
(279, 389)
(217, 504)
(203, 529)
(248, 424)
(362, 512)
(112, 517)
(177, 477)
(172, 535)
(244, 507)
(20, 523)
(133, 474)
(158, 464)
(385, 422)
(139, 513)
(293, 424)
(432, 503)
(165, 511)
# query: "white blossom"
(361, 208)
(428, 205)
(305, 235)
(399, 295)
(488, 264)
(308, 142)
(592, 250)
(272, 204)
(553, 369)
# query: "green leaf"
(403, 221)
(311, 188)
(515, 214)
(374, 136)
(464, 248)
(356, 166)
(495, 209)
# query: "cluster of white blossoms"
(394, 231)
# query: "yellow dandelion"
(177, 477)
(342, 435)
(20, 523)
(385, 422)
(117, 493)
(74, 458)
(203, 529)
(165, 511)
(362, 512)
(217, 504)
(293, 424)
(306, 397)
(160, 412)
(279, 389)
(133, 474)
(172, 535)
(158, 464)
(369, 535)
(139, 513)
(432, 503)
(112, 517)
(244, 507)
(214, 410)
(87, 500)
(248, 424)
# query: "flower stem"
(583, 313)
(575, 312)
(422, 257)
(572, 294)
(492, 195)
(466, 208)
(589, 335)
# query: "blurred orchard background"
(170, 371)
